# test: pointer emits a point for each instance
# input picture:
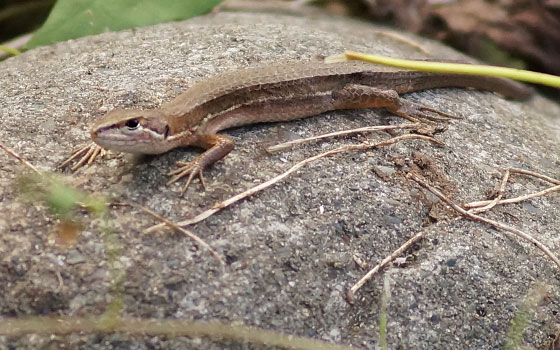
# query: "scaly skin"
(270, 94)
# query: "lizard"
(272, 93)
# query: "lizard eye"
(132, 124)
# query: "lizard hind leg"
(354, 96)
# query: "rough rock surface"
(292, 250)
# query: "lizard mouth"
(114, 140)
(141, 144)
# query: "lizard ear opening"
(166, 132)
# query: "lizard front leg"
(217, 146)
(354, 96)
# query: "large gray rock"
(291, 250)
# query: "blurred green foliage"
(19, 17)
(61, 200)
(71, 19)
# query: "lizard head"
(133, 131)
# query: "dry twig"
(495, 201)
(186, 233)
(516, 199)
(16, 156)
(160, 327)
(174, 226)
(207, 213)
(352, 291)
(493, 223)
(520, 198)
(404, 39)
(285, 145)
(534, 174)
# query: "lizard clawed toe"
(87, 155)
(444, 116)
(191, 169)
(416, 111)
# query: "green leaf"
(72, 19)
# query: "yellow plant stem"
(458, 68)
